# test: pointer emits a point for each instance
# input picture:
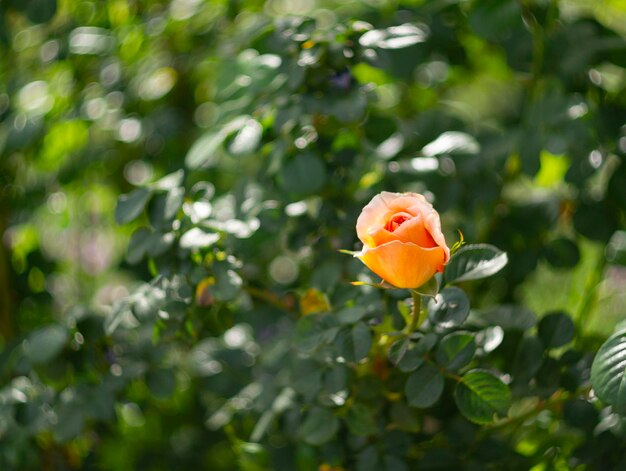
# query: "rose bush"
(402, 239)
(247, 141)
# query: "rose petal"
(372, 216)
(415, 231)
(383, 206)
(433, 226)
(404, 265)
(380, 236)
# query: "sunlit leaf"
(608, 371)
(481, 396)
(196, 238)
(473, 262)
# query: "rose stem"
(418, 316)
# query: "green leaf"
(362, 340)
(121, 309)
(252, 457)
(247, 139)
(509, 317)
(616, 249)
(131, 205)
(305, 174)
(587, 215)
(394, 37)
(556, 329)
(480, 395)
(101, 404)
(455, 350)
(350, 315)
(404, 417)
(398, 349)
(205, 151)
(452, 142)
(158, 243)
(70, 423)
(430, 288)
(161, 383)
(449, 308)
(424, 386)
(197, 238)
(562, 253)
(43, 344)
(360, 420)
(147, 301)
(319, 426)
(40, 11)
(314, 330)
(411, 360)
(494, 19)
(355, 344)
(608, 372)
(170, 181)
(408, 355)
(164, 207)
(228, 284)
(138, 245)
(306, 376)
(528, 359)
(473, 262)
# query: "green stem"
(6, 295)
(590, 294)
(559, 397)
(418, 315)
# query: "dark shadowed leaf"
(509, 317)
(556, 329)
(562, 253)
(304, 174)
(528, 359)
(455, 350)
(424, 386)
(314, 330)
(44, 344)
(449, 308)
(138, 245)
(319, 426)
(360, 420)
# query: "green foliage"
(607, 371)
(480, 396)
(178, 178)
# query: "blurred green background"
(276, 122)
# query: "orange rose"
(402, 239)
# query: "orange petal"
(404, 265)
(373, 216)
(384, 204)
(415, 231)
(433, 226)
(381, 236)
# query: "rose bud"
(402, 239)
